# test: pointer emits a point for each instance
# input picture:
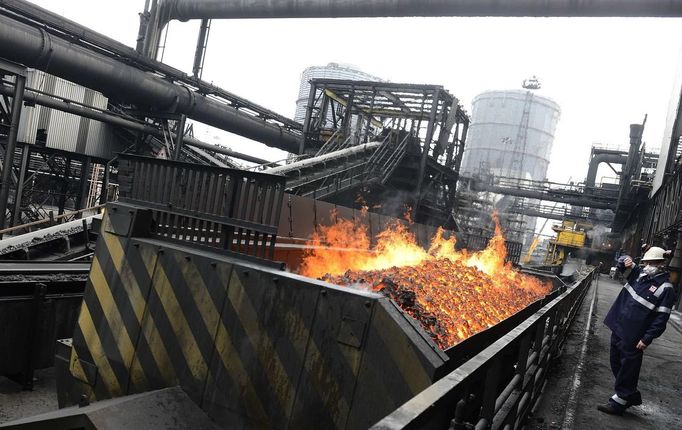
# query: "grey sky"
(605, 73)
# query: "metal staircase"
(387, 157)
(336, 175)
(335, 144)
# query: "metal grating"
(222, 208)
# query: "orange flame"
(453, 294)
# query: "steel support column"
(451, 146)
(425, 152)
(65, 186)
(16, 213)
(103, 194)
(83, 189)
(308, 118)
(11, 145)
(462, 142)
(179, 137)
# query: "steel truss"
(422, 129)
(48, 182)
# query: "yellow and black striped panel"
(398, 363)
(180, 323)
(260, 349)
(335, 348)
(254, 347)
(80, 385)
(110, 318)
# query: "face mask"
(649, 269)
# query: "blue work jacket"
(642, 308)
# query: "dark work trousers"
(626, 360)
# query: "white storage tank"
(55, 129)
(330, 71)
(497, 141)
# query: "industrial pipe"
(84, 36)
(184, 10)
(281, 170)
(591, 179)
(204, 9)
(34, 47)
(115, 120)
(574, 200)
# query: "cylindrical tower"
(511, 134)
(330, 71)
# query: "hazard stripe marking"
(94, 345)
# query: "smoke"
(597, 232)
(394, 203)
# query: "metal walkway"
(577, 386)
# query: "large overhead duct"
(184, 10)
(591, 179)
(84, 36)
(108, 118)
(198, 9)
(36, 48)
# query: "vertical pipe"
(152, 34)
(180, 135)
(200, 53)
(144, 21)
(10, 149)
(631, 164)
(83, 191)
(16, 214)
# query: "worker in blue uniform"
(638, 316)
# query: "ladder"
(386, 158)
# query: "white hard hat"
(654, 254)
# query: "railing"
(387, 157)
(51, 219)
(330, 143)
(665, 209)
(263, 167)
(496, 388)
(230, 209)
(394, 159)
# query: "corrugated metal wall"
(66, 131)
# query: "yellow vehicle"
(570, 237)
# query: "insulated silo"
(511, 134)
(330, 71)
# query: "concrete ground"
(582, 378)
(16, 403)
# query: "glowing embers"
(453, 294)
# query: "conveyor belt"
(43, 267)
